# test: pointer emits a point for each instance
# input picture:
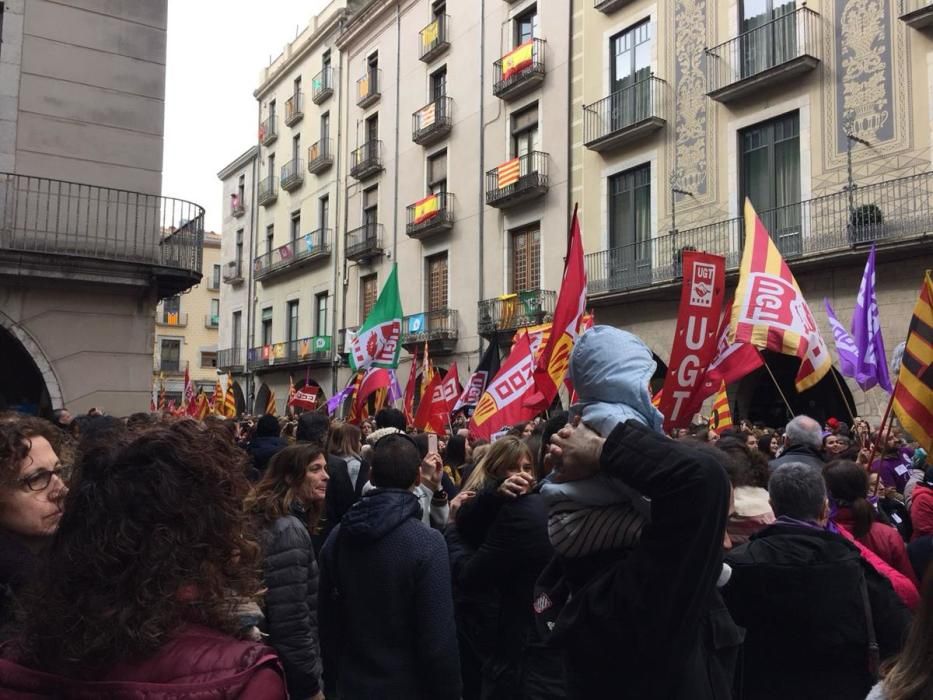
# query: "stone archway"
(262, 400)
(19, 335)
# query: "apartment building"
(186, 330)
(818, 111)
(455, 148)
(87, 244)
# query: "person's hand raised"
(575, 452)
(432, 466)
(517, 485)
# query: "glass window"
(296, 225)
(270, 160)
(371, 209)
(436, 279)
(292, 321)
(267, 326)
(526, 25)
(524, 129)
(323, 212)
(325, 131)
(270, 238)
(236, 328)
(526, 259)
(437, 172)
(296, 146)
(769, 34)
(215, 311)
(368, 294)
(438, 9)
(630, 219)
(325, 60)
(172, 305)
(321, 318)
(630, 61)
(372, 129)
(439, 83)
(215, 277)
(208, 360)
(170, 355)
(239, 248)
(272, 110)
(296, 87)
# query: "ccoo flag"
(376, 343)
(913, 395)
(769, 310)
(502, 403)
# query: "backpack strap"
(874, 652)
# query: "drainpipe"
(250, 281)
(338, 238)
(344, 91)
(482, 157)
(569, 131)
(398, 104)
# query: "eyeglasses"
(40, 480)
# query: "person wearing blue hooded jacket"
(387, 614)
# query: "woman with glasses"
(32, 485)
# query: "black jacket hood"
(379, 512)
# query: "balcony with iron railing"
(895, 213)
(233, 272)
(320, 156)
(777, 51)
(171, 319)
(294, 255)
(364, 243)
(366, 160)
(916, 13)
(211, 321)
(433, 39)
(369, 88)
(267, 190)
(54, 228)
(607, 7)
(237, 206)
(168, 366)
(439, 329)
(293, 174)
(322, 86)
(517, 180)
(432, 122)
(294, 109)
(506, 314)
(520, 71)
(268, 130)
(311, 351)
(628, 115)
(433, 214)
(230, 360)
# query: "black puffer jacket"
(290, 573)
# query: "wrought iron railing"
(432, 120)
(320, 155)
(365, 241)
(513, 69)
(433, 38)
(55, 217)
(433, 212)
(366, 160)
(237, 206)
(294, 109)
(516, 177)
(322, 85)
(774, 43)
(268, 130)
(369, 87)
(643, 100)
(441, 324)
(230, 359)
(885, 212)
(293, 174)
(312, 245)
(512, 311)
(172, 318)
(233, 272)
(300, 351)
(267, 190)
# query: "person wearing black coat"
(287, 503)
(650, 624)
(266, 442)
(387, 619)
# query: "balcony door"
(370, 216)
(630, 225)
(236, 330)
(526, 259)
(371, 139)
(630, 61)
(368, 294)
(769, 34)
(770, 177)
(436, 292)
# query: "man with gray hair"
(818, 617)
(803, 442)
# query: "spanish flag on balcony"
(913, 395)
(426, 208)
(518, 59)
(508, 173)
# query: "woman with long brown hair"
(286, 506)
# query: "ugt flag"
(377, 342)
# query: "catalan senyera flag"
(518, 59)
(270, 404)
(551, 366)
(913, 395)
(202, 406)
(722, 414)
(230, 399)
(770, 312)
(217, 400)
(427, 208)
(508, 173)
(427, 116)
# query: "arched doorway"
(22, 387)
(757, 398)
(240, 398)
(314, 387)
(657, 379)
(262, 399)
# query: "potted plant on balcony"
(679, 260)
(866, 224)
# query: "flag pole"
(882, 437)
(777, 386)
(842, 394)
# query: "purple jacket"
(895, 469)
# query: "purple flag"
(845, 345)
(395, 389)
(872, 364)
(334, 403)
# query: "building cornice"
(250, 155)
(362, 20)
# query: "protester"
(916, 474)
(345, 445)
(751, 510)
(266, 442)
(812, 608)
(151, 554)
(803, 443)
(61, 419)
(649, 623)
(32, 487)
(893, 466)
(921, 508)
(314, 427)
(287, 505)
(455, 457)
(387, 619)
(768, 445)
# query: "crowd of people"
(582, 554)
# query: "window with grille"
(436, 279)
(208, 360)
(437, 173)
(368, 293)
(526, 259)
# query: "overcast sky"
(216, 49)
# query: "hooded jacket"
(804, 454)
(921, 511)
(387, 617)
(262, 449)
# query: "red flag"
(409, 402)
(375, 378)
(732, 361)
(187, 399)
(430, 415)
(695, 337)
(304, 398)
(552, 365)
(358, 409)
(587, 322)
(291, 391)
(450, 388)
(502, 403)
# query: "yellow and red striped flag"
(230, 399)
(270, 403)
(518, 59)
(722, 414)
(913, 395)
(426, 208)
(770, 312)
(508, 173)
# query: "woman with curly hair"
(287, 505)
(139, 593)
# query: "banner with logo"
(503, 402)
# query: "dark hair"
(751, 464)
(140, 421)
(273, 496)
(16, 435)
(395, 463)
(222, 425)
(152, 537)
(391, 418)
(456, 451)
(421, 442)
(312, 427)
(797, 490)
(764, 444)
(847, 484)
(94, 429)
(268, 426)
